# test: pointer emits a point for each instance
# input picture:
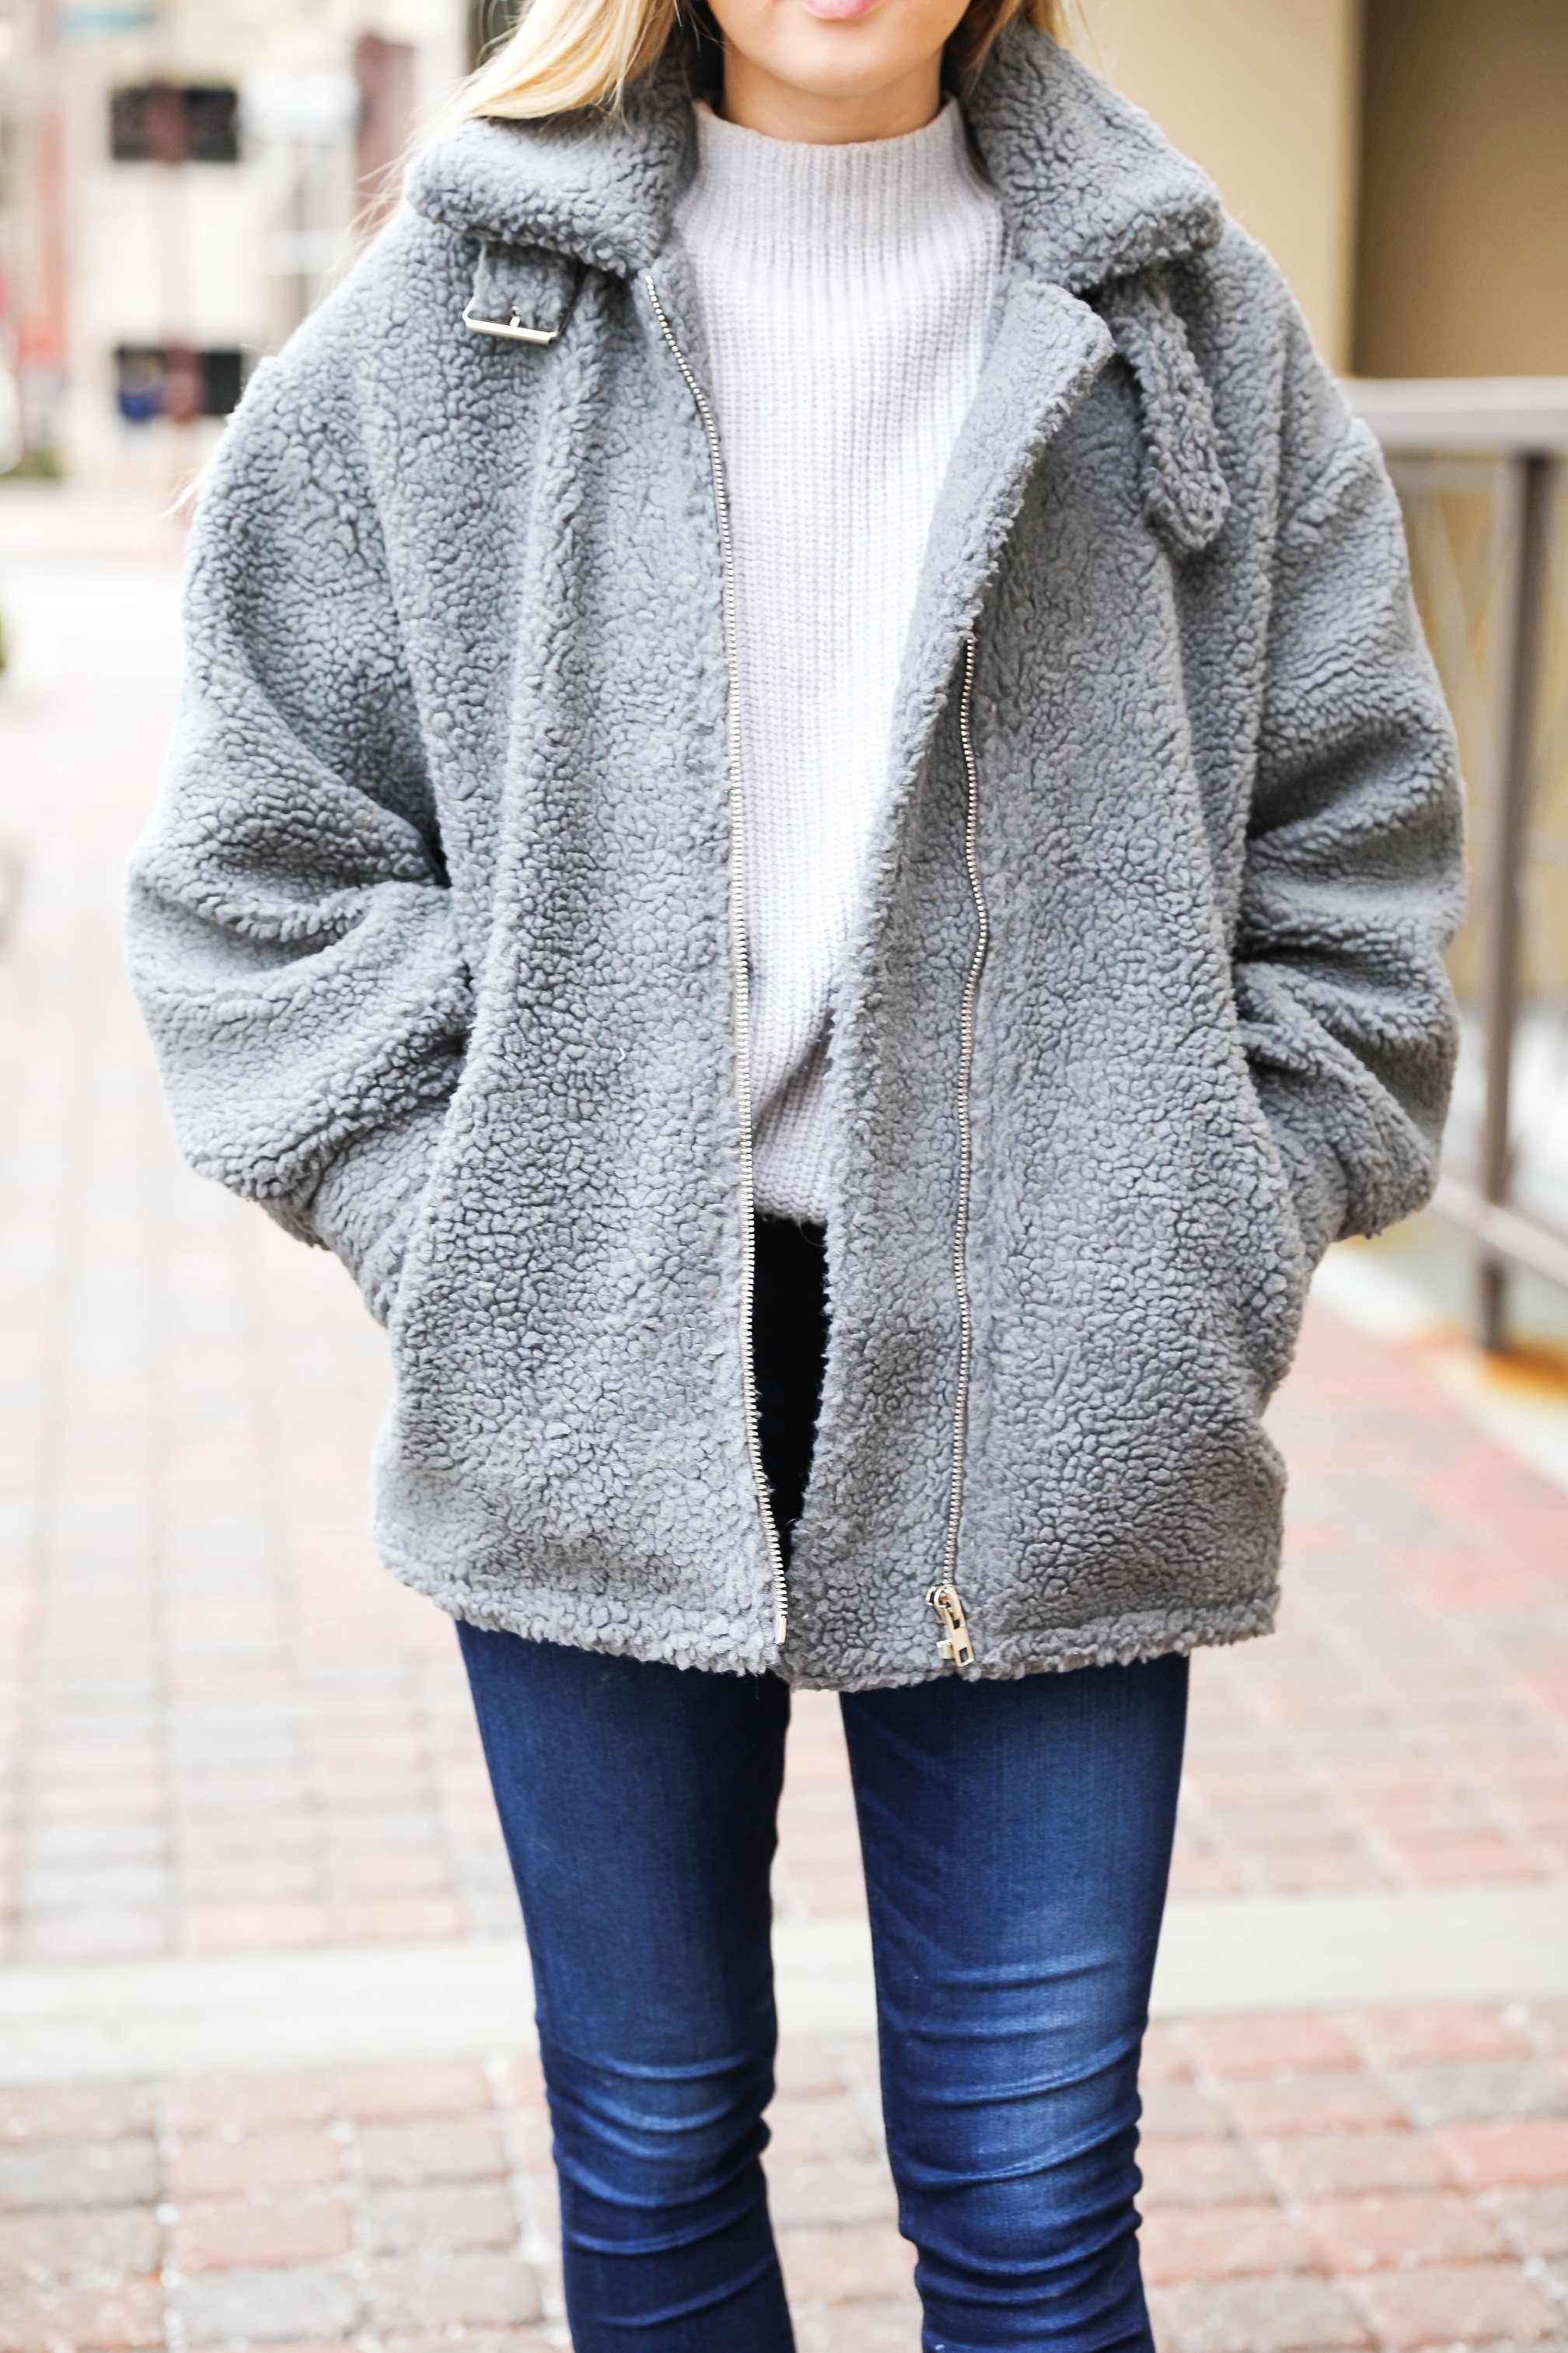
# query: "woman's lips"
(840, 8)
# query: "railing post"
(1505, 945)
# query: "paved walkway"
(227, 1735)
(1391, 2181)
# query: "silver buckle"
(512, 331)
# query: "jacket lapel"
(1048, 351)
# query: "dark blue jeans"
(1017, 1839)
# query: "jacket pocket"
(1270, 1265)
(366, 1205)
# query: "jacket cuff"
(364, 1206)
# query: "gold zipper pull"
(957, 1646)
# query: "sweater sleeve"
(1353, 881)
(292, 933)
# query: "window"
(161, 122)
(174, 380)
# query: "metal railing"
(1481, 468)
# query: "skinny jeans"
(1017, 1839)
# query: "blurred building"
(179, 181)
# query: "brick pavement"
(1394, 2180)
(223, 1729)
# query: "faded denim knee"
(663, 2161)
(653, 2157)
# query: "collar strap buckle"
(511, 330)
(522, 294)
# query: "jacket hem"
(579, 1621)
(662, 1634)
(1115, 1641)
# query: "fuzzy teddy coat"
(436, 924)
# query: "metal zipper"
(943, 1597)
(739, 955)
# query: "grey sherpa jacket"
(439, 924)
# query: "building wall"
(1265, 95)
(222, 257)
(1464, 235)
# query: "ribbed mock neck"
(786, 198)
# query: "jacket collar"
(598, 187)
(1090, 190)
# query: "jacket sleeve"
(1353, 881)
(292, 933)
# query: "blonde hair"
(567, 54)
